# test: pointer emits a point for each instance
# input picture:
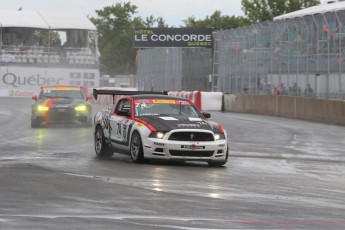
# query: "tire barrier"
(194, 96)
(206, 101)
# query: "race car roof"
(61, 87)
(45, 20)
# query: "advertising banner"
(173, 37)
(26, 81)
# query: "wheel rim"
(98, 141)
(135, 146)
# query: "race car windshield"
(156, 109)
(74, 94)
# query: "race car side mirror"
(207, 115)
(34, 97)
(88, 97)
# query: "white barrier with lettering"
(19, 81)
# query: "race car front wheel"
(34, 123)
(101, 146)
(137, 153)
(220, 163)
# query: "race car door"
(119, 123)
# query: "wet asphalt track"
(282, 174)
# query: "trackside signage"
(27, 81)
(173, 37)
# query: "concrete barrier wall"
(327, 111)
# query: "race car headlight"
(219, 136)
(80, 108)
(158, 135)
(41, 108)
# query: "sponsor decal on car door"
(115, 123)
(122, 127)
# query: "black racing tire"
(220, 163)
(34, 123)
(102, 148)
(136, 148)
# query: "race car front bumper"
(210, 151)
(61, 115)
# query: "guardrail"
(311, 109)
(304, 108)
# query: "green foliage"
(115, 30)
(153, 22)
(44, 36)
(266, 10)
(217, 21)
(114, 25)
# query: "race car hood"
(170, 122)
(61, 102)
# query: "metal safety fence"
(301, 56)
(174, 69)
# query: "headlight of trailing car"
(157, 134)
(219, 136)
(41, 108)
(81, 108)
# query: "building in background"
(119, 81)
(40, 49)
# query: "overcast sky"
(172, 11)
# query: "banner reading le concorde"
(173, 37)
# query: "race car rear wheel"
(220, 163)
(101, 146)
(137, 153)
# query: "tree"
(115, 25)
(266, 10)
(217, 21)
(151, 21)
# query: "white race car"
(151, 125)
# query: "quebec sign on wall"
(27, 81)
(173, 37)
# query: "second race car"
(61, 104)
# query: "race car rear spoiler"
(112, 92)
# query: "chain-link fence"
(300, 56)
(175, 69)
